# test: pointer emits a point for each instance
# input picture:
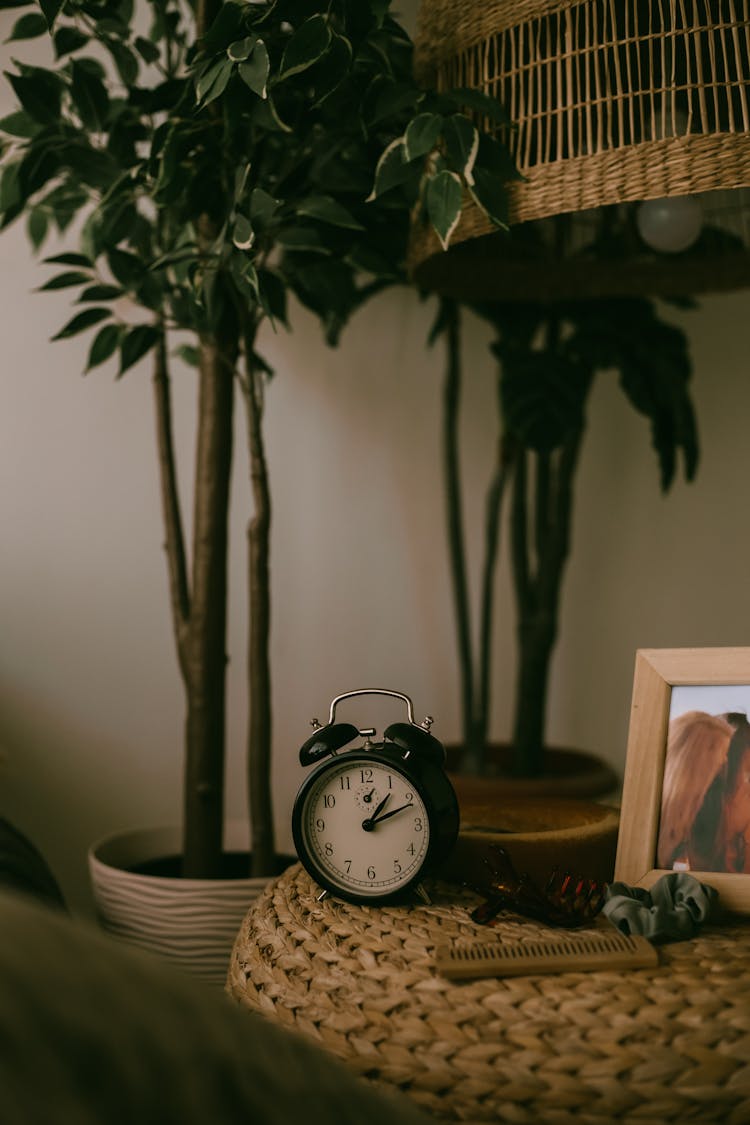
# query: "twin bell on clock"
(373, 819)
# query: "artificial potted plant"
(212, 164)
(549, 355)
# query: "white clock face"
(365, 827)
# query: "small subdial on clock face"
(365, 827)
(367, 797)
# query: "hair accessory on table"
(673, 910)
(566, 900)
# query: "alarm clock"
(373, 819)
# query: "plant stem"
(259, 671)
(538, 587)
(456, 547)
(174, 537)
(493, 512)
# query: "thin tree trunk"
(206, 648)
(259, 671)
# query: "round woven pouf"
(669, 1044)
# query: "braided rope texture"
(670, 1044)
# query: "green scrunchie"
(672, 910)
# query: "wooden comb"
(598, 949)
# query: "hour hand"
(369, 822)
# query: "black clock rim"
(385, 757)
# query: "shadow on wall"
(52, 789)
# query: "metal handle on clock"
(373, 691)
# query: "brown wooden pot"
(540, 835)
(565, 773)
(544, 823)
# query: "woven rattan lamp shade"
(614, 102)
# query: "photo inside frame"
(704, 823)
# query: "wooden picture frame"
(657, 673)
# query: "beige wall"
(90, 702)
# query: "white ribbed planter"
(190, 922)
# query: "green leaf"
(273, 296)
(189, 354)
(39, 92)
(266, 115)
(28, 26)
(100, 293)
(263, 207)
(135, 344)
(392, 169)
(303, 240)
(444, 198)
(241, 49)
(65, 280)
(91, 236)
(461, 145)
(495, 157)
(181, 254)
(51, 9)
(308, 44)
(37, 226)
(125, 61)
(491, 196)
(243, 235)
(89, 96)
(69, 39)
(38, 167)
(206, 78)
(81, 321)
(332, 68)
(126, 268)
(219, 73)
(393, 99)
(19, 124)
(542, 397)
(480, 103)
(68, 260)
(227, 27)
(422, 134)
(327, 210)
(104, 345)
(10, 192)
(255, 70)
(148, 51)
(245, 276)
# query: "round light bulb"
(670, 225)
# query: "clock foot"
(422, 893)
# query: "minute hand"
(380, 819)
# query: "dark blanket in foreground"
(93, 1034)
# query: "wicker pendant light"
(615, 102)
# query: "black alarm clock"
(373, 819)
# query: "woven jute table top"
(669, 1044)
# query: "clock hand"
(369, 822)
(375, 819)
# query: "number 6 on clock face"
(365, 827)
